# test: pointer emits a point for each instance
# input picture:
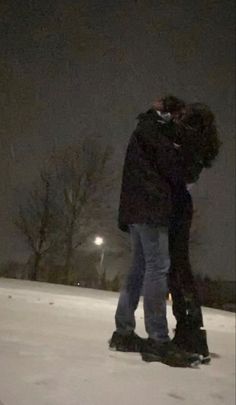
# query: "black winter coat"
(152, 171)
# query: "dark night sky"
(72, 68)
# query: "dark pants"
(186, 303)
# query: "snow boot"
(168, 353)
(126, 343)
(193, 341)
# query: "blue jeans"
(148, 273)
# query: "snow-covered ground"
(53, 351)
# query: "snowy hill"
(53, 351)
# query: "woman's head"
(198, 115)
(198, 133)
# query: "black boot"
(169, 354)
(126, 343)
(193, 341)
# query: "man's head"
(170, 104)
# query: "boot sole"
(117, 349)
(205, 359)
(122, 349)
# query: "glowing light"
(98, 241)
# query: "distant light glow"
(98, 241)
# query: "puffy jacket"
(152, 170)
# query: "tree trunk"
(68, 258)
(37, 261)
(69, 250)
(68, 265)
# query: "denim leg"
(130, 293)
(157, 262)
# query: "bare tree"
(81, 183)
(67, 204)
(35, 221)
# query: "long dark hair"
(199, 140)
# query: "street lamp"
(98, 241)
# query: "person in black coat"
(152, 170)
(197, 141)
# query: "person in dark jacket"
(197, 141)
(152, 169)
